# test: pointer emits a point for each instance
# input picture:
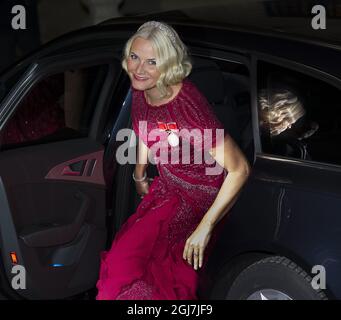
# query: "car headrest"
(207, 76)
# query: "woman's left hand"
(196, 244)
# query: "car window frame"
(45, 67)
(307, 71)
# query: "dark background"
(48, 19)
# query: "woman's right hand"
(142, 187)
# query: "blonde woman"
(279, 110)
(161, 247)
(284, 117)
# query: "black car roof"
(286, 18)
(231, 26)
(298, 42)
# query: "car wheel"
(274, 278)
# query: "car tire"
(274, 278)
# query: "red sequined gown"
(145, 261)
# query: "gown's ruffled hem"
(161, 280)
(141, 264)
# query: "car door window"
(58, 107)
(299, 115)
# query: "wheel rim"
(268, 294)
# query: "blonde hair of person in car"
(172, 58)
(280, 110)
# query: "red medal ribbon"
(170, 126)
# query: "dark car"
(63, 195)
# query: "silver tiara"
(162, 27)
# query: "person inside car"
(285, 119)
(158, 250)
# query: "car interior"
(229, 94)
(316, 135)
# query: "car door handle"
(74, 169)
(85, 168)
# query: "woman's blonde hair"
(279, 110)
(172, 58)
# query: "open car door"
(52, 187)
